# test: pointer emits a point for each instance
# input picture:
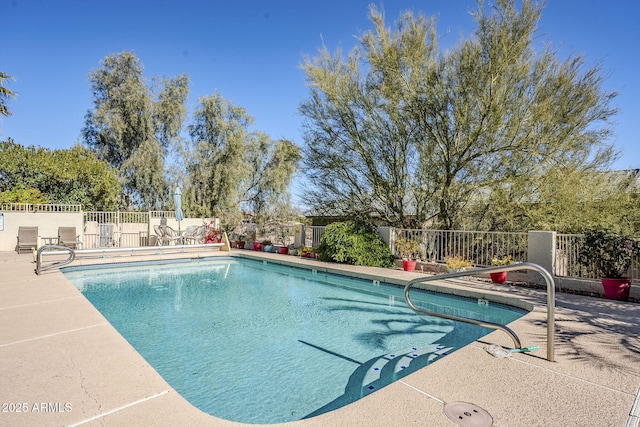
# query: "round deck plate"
(468, 415)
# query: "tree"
(5, 94)
(38, 175)
(213, 158)
(402, 130)
(132, 127)
(228, 168)
(270, 169)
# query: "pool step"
(381, 371)
(385, 369)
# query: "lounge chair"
(27, 238)
(67, 237)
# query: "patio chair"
(67, 237)
(169, 235)
(27, 238)
(194, 234)
(159, 234)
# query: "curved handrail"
(42, 249)
(519, 266)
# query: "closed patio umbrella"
(177, 201)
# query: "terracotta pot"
(499, 277)
(409, 264)
(616, 288)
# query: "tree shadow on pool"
(400, 320)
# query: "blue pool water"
(261, 343)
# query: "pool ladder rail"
(518, 266)
(53, 249)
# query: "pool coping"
(57, 350)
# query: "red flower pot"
(499, 277)
(257, 246)
(409, 264)
(616, 288)
(284, 250)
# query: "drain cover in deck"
(467, 414)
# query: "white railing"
(477, 246)
(312, 235)
(30, 207)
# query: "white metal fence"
(30, 207)
(477, 246)
(119, 229)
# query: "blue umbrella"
(177, 201)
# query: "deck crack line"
(120, 408)
(41, 302)
(55, 334)
(421, 391)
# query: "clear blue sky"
(250, 51)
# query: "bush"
(356, 244)
(608, 254)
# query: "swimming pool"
(256, 342)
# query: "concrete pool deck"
(62, 363)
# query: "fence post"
(299, 236)
(385, 233)
(542, 249)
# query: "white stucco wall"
(47, 223)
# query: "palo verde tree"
(133, 124)
(403, 130)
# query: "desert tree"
(402, 129)
(134, 123)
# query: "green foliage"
(356, 244)
(403, 130)
(608, 254)
(270, 166)
(5, 94)
(457, 263)
(38, 175)
(407, 248)
(229, 169)
(22, 194)
(213, 158)
(498, 261)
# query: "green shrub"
(356, 244)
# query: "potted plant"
(267, 246)
(293, 250)
(500, 276)
(609, 255)
(457, 263)
(409, 251)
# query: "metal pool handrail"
(551, 297)
(58, 248)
